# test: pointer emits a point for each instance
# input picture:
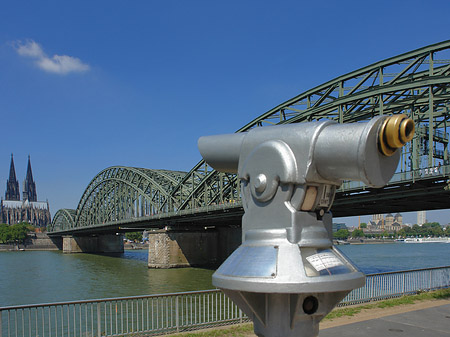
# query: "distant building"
(421, 217)
(13, 210)
(338, 226)
(388, 222)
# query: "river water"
(50, 276)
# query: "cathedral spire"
(29, 186)
(12, 185)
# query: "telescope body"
(287, 275)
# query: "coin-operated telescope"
(287, 275)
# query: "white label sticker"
(325, 260)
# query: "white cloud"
(62, 64)
(30, 48)
(58, 64)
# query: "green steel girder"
(118, 193)
(416, 83)
(63, 219)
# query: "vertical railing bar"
(429, 284)
(190, 308)
(68, 321)
(128, 323)
(152, 316)
(136, 315)
(147, 315)
(92, 319)
(99, 322)
(15, 321)
(36, 320)
(29, 322)
(74, 320)
(9, 324)
(157, 313)
(160, 313)
(117, 327)
(86, 319)
(81, 321)
(110, 318)
(176, 314)
(106, 321)
(132, 316)
(43, 322)
(167, 312)
(49, 321)
(23, 322)
(121, 317)
(56, 321)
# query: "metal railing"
(442, 171)
(161, 314)
(395, 284)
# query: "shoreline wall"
(34, 241)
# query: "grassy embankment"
(246, 329)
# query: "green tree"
(19, 232)
(447, 230)
(134, 236)
(362, 225)
(357, 233)
(341, 234)
(14, 233)
(5, 233)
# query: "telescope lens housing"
(395, 132)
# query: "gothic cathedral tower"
(12, 185)
(29, 186)
(13, 210)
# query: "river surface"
(50, 276)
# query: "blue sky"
(85, 85)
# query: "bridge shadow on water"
(141, 255)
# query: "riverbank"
(362, 241)
(346, 315)
(34, 241)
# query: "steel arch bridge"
(416, 83)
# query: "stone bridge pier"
(174, 248)
(104, 243)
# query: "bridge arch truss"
(416, 83)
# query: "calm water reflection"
(35, 277)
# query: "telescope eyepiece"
(395, 132)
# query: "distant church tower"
(29, 186)
(13, 210)
(12, 185)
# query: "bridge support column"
(230, 238)
(174, 249)
(106, 243)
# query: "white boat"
(426, 240)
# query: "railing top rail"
(408, 271)
(114, 299)
(101, 300)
